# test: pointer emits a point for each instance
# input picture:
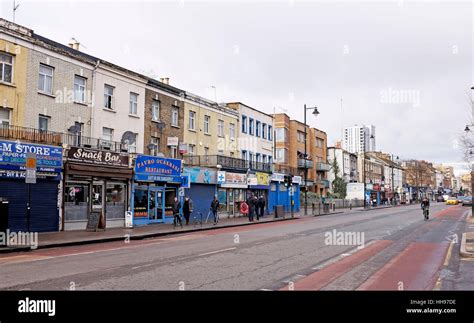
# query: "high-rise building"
(357, 139)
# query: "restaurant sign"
(97, 157)
(157, 169)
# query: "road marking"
(217, 251)
(448, 254)
(142, 266)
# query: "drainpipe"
(93, 96)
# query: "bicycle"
(426, 213)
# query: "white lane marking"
(340, 256)
(217, 251)
(142, 266)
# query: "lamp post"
(467, 130)
(363, 169)
(393, 185)
(315, 113)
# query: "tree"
(339, 186)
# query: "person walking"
(251, 204)
(187, 209)
(425, 206)
(176, 213)
(215, 208)
(262, 203)
(257, 207)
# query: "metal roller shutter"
(201, 195)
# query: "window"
(191, 149)
(250, 157)
(6, 68)
(257, 129)
(244, 124)
(43, 123)
(232, 131)
(45, 79)
(155, 110)
(79, 89)
(220, 128)
(4, 117)
(300, 136)
(220, 152)
(207, 120)
(107, 134)
(133, 110)
(251, 126)
(155, 146)
(108, 96)
(270, 160)
(280, 155)
(244, 154)
(319, 143)
(270, 132)
(257, 158)
(206, 151)
(264, 159)
(132, 145)
(192, 120)
(174, 116)
(280, 134)
(173, 152)
(264, 131)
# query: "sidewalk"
(467, 239)
(80, 237)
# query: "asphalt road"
(396, 250)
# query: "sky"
(404, 66)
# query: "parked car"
(467, 201)
(440, 198)
(452, 201)
(460, 198)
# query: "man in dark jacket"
(176, 212)
(251, 203)
(214, 208)
(261, 205)
(187, 209)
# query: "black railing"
(31, 135)
(56, 138)
(285, 169)
(226, 162)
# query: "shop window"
(115, 199)
(140, 202)
(76, 194)
(170, 194)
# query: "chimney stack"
(74, 44)
(165, 80)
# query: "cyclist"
(425, 205)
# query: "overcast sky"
(405, 67)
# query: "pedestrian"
(215, 208)
(262, 203)
(187, 208)
(257, 208)
(251, 204)
(176, 213)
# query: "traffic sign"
(30, 165)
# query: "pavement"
(80, 237)
(397, 250)
(467, 239)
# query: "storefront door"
(156, 202)
(97, 197)
(230, 202)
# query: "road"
(395, 250)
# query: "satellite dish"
(129, 138)
(74, 129)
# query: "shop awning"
(98, 171)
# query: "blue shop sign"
(157, 169)
(13, 154)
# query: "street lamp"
(467, 130)
(363, 168)
(315, 113)
(393, 186)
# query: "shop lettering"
(98, 156)
(24, 149)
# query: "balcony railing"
(277, 168)
(226, 163)
(95, 143)
(323, 167)
(323, 183)
(58, 139)
(305, 163)
(30, 135)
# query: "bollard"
(312, 209)
(319, 208)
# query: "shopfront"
(95, 181)
(202, 190)
(232, 189)
(43, 196)
(156, 184)
(259, 185)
